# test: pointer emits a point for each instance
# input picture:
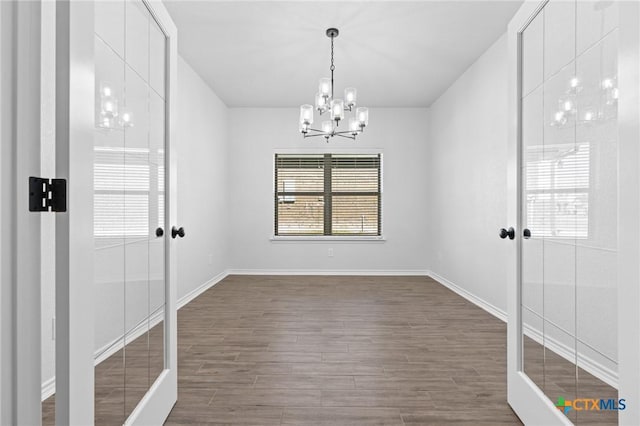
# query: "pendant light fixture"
(326, 104)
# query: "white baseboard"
(367, 272)
(199, 290)
(493, 310)
(49, 386)
(586, 363)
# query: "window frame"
(379, 237)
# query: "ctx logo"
(589, 404)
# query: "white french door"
(573, 203)
(116, 64)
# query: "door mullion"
(327, 195)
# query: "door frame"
(524, 396)
(629, 210)
(75, 128)
(20, 366)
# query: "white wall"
(256, 134)
(202, 181)
(467, 178)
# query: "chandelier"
(326, 103)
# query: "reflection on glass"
(129, 202)
(557, 190)
(569, 204)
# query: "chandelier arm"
(345, 136)
(317, 134)
(343, 132)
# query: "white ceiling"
(396, 53)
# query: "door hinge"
(47, 195)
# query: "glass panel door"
(129, 207)
(569, 192)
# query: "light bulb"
(106, 88)
(324, 87)
(615, 93)
(327, 127)
(306, 114)
(588, 116)
(350, 96)
(109, 106)
(337, 109)
(574, 82)
(559, 118)
(354, 126)
(303, 128)
(363, 116)
(105, 122)
(568, 105)
(321, 102)
(126, 118)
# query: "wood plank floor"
(335, 351)
(338, 351)
(266, 350)
(310, 350)
(306, 350)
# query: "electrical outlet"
(330, 254)
(210, 259)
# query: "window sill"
(328, 238)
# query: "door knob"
(504, 233)
(526, 234)
(177, 232)
(159, 232)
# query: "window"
(327, 194)
(128, 192)
(557, 190)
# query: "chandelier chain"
(332, 67)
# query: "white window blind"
(127, 190)
(557, 190)
(327, 194)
